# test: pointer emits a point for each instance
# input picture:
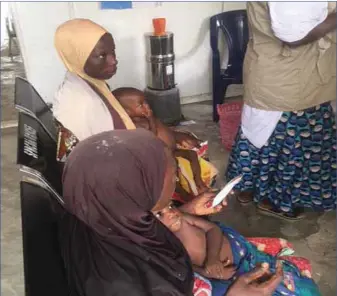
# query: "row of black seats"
(41, 201)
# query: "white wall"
(37, 21)
(4, 14)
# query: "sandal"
(245, 197)
(296, 215)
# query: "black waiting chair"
(28, 100)
(234, 27)
(43, 265)
(36, 153)
(41, 195)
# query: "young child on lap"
(133, 101)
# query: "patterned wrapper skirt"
(296, 167)
(246, 257)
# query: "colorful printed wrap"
(283, 250)
(247, 257)
(297, 167)
(185, 174)
(202, 286)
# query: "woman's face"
(169, 183)
(102, 62)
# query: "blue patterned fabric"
(247, 257)
(297, 167)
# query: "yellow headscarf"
(74, 41)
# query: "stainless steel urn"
(160, 61)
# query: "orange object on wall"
(159, 25)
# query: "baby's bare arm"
(165, 134)
(153, 125)
(199, 222)
(163, 128)
(214, 236)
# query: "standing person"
(124, 250)
(286, 146)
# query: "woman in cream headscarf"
(286, 145)
(84, 104)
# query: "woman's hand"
(186, 140)
(251, 284)
(201, 205)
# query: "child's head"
(170, 217)
(133, 101)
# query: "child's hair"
(125, 94)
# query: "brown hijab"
(115, 246)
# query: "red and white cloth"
(202, 286)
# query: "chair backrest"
(43, 265)
(29, 101)
(234, 25)
(37, 150)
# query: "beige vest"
(279, 78)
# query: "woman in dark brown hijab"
(111, 182)
(112, 244)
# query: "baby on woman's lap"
(221, 254)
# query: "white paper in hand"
(227, 189)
